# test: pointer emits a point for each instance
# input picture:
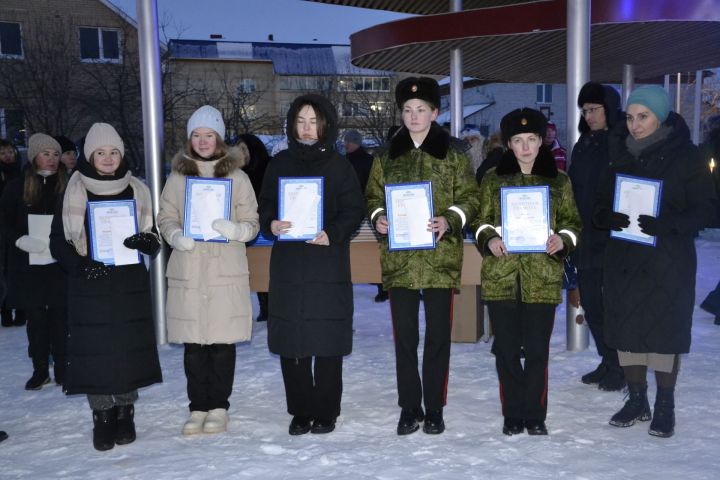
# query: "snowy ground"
(50, 434)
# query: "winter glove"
(144, 242)
(91, 269)
(29, 244)
(612, 220)
(240, 232)
(654, 226)
(180, 242)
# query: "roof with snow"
(287, 58)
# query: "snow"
(50, 433)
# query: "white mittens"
(29, 244)
(180, 242)
(240, 232)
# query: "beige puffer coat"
(208, 297)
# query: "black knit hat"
(605, 95)
(591, 92)
(423, 88)
(523, 120)
(65, 143)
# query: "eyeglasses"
(586, 111)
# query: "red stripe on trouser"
(447, 372)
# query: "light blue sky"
(293, 21)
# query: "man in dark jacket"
(600, 106)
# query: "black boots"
(595, 376)
(535, 427)
(299, 425)
(663, 422)
(434, 423)
(125, 426)
(513, 426)
(105, 422)
(40, 375)
(636, 408)
(410, 419)
(263, 300)
(613, 381)
(323, 425)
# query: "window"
(10, 40)
(379, 108)
(249, 111)
(544, 93)
(247, 85)
(365, 84)
(309, 84)
(349, 109)
(99, 45)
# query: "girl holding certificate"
(36, 283)
(649, 288)
(111, 342)
(421, 151)
(311, 298)
(528, 223)
(207, 213)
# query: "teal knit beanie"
(654, 98)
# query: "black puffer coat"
(30, 286)
(650, 291)
(111, 342)
(311, 298)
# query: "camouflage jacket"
(440, 160)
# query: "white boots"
(214, 421)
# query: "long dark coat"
(650, 291)
(30, 286)
(111, 342)
(311, 298)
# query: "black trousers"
(522, 328)
(210, 371)
(313, 389)
(591, 294)
(404, 308)
(47, 335)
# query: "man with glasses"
(600, 107)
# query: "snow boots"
(434, 423)
(194, 424)
(125, 424)
(595, 376)
(40, 375)
(410, 419)
(636, 408)
(663, 422)
(105, 422)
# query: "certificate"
(39, 227)
(301, 203)
(409, 209)
(206, 200)
(110, 223)
(525, 218)
(635, 196)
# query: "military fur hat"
(423, 88)
(523, 120)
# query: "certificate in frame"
(300, 201)
(206, 200)
(635, 196)
(409, 210)
(100, 237)
(525, 213)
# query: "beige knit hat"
(39, 142)
(102, 135)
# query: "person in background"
(112, 351)
(9, 170)
(476, 153)
(551, 141)
(208, 301)
(649, 290)
(600, 107)
(421, 150)
(69, 155)
(37, 286)
(522, 290)
(311, 298)
(255, 169)
(494, 150)
(710, 151)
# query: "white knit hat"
(102, 135)
(208, 117)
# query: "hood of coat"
(234, 159)
(436, 143)
(613, 109)
(678, 137)
(544, 165)
(325, 144)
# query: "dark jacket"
(361, 161)
(111, 335)
(491, 161)
(311, 298)
(649, 292)
(30, 286)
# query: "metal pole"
(456, 82)
(698, 106)
(578, 73)
(677, 93)
(148, 46)
(628, 79)
(667, 84)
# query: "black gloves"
(607, 219)
(92, 270)
(144, 242)
(654, 226)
